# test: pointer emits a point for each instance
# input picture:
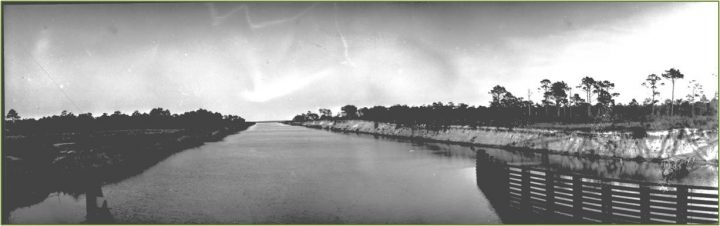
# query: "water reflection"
(491, 183)
(84, 204)
(608, 167)
(283, 174)
(96, 207)
(658, 172)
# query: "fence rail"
(602, 200)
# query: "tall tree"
(325, 113)
(545, 89)
(559, 94)
(12, 115)
(604, 92)
(586, 84)
(605, 98)
(652, 81)
(545, 86)
(349, 111)
(509, 100)
(576, 100)
(498, 93)
(695, 92)
(673, 74)
(311, 116)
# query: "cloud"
(218, 19)
(264, 91)
(344, 41)
(269, 64)
(618, 52)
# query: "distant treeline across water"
(157, 118)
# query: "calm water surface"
(274, 173)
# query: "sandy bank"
(678, 144)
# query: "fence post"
(682, 195)
(504, 180)
(506, 188)
(607, 201)
(526, 190)
(577, 198)
(549, 192)
(644, 204)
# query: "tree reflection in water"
(96, 206)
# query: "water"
(274, 173)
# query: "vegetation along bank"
(69, 153)
(588, 121)
(676, 144)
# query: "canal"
(274, 173)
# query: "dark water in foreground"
(273, 173)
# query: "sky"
(271, 61)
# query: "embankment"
(675, 145)
(36, 165)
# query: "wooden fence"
(578, 198)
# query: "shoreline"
(680, 145)
(71, 162)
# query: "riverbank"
(269, 174)
(678, 145)
(36, 165)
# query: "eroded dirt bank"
(678, 145)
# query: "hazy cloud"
(273, 60)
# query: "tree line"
(157, 118)
(595, 102)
